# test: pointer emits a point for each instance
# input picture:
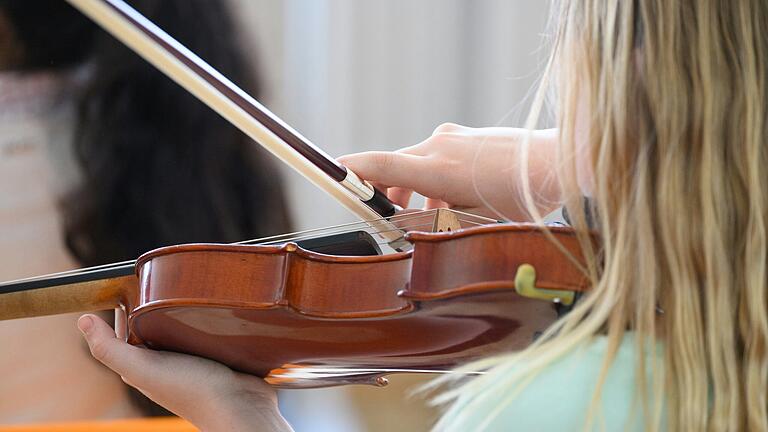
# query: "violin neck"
(74, 297)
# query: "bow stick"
(243, 111)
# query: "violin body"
(304, 319)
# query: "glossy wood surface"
(278, 310)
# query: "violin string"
(473, 216)
(365, 226)
(95, 269)
(281, 238)
(270, 239)
(399, 228)
(59, 275)
(73, 272)
(301, 235)
(92, 270)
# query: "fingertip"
(95, 330)
(345, 158)
(85, 324)
(353, 160)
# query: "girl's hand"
(471, 169)
(208, 394)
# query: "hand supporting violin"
(449, 168)
(206, 393)
(469, 169)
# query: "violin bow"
(243, 111)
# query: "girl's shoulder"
(559, 396)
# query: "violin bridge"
(445, 220)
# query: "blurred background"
(351, 76)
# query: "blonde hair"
(676, 95)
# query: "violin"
(407, 292)
(321, 310)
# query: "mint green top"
(558, 398)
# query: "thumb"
(108, 349)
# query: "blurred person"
(103, 158)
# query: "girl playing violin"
(662, 110)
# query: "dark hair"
(158, 166)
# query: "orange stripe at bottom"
(163, 424)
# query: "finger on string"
(400, 196)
